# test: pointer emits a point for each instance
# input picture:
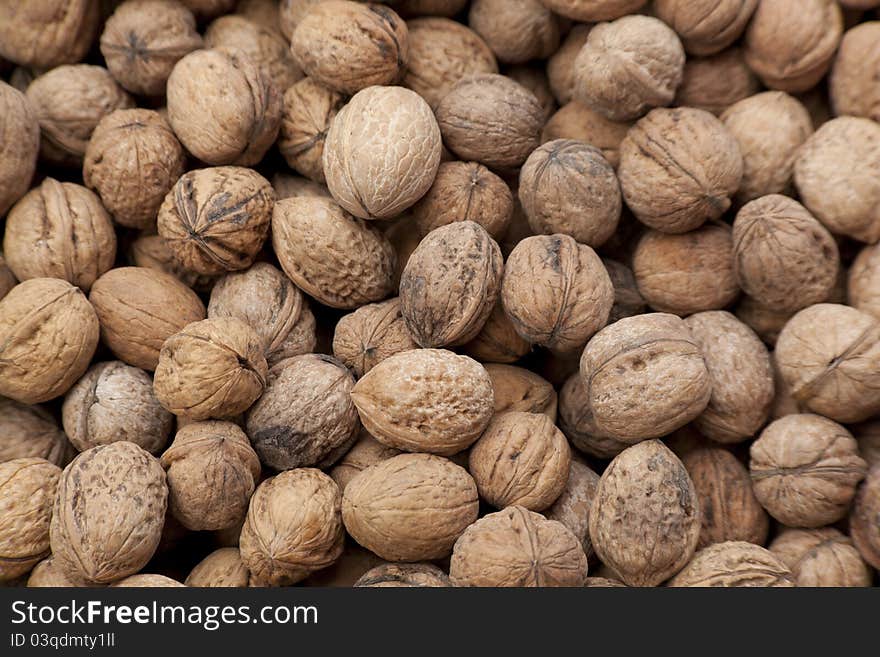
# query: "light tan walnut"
(821, 557)
(734, 563)
(19, 145)
(371, 334)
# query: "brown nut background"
(365, 452)
(863, 526)
(715, 83)
(581, 123)
(498, 341)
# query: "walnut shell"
(517, 547)
(821, 557)
(576, 422)
(853, 86)
(864, 526)
(47, 574)
(265, 13)
(393, 575)
(515, 30)
(290, 186)
(715, 83)
(577, 121)
(47, 33)
(143, 580)
(222, 568)
(766, 322)
(153, 252)
(534, 79)
(425, 400)
(497, 341)
(864, 281)
(734, 563)
(19, 145)
(31, 431)
(291, 12)
(560, 65)
(411, 507)
(365, 452)
(594, 10)
(108, 513)
(371, 334)
(572, 507)
(309, 109)
(519, 389)
(706, 26)
(48, 334)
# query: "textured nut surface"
(576, 421)
(48, 33)
(853, 88)
(593, 10)
(290, 186)
(715, 83)
(31, 431)
(309, 109)
(142, 580)
(863, 281)
(519, 389)
(535, 80)
(365, 452)
(821, 557)
(628, 301)
(863, 524)
(572, 507)
(766, 322)
(516, 30)
(222, 568)
(579, 122)
(371, 334)
(404, 575)
(734, 563)
(497, 341)
(47, 574)
(706, 26)
(153, 252)
(561, 67)
(19, 145)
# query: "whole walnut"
(143, 580)
(216, 219)
(706, 26)
(790, 43)
(766, 322)
(498, 341)
(365, 452)
(450, 284)
(864, 526)
(425, 400)
(805, 470)
(581, 123)
(18, 155)
(516, 30)
(830, 176)
(576, 422)
(645, 376)
(853, 87)
(223, 106)
(31, 431)
(556, 291)
(490, 119)
(291, 12)
(341, 261)
(560, 65)
(47, 33)
(371, 334)
(863, 281)
(821, 557)
(411, 507)
(108, 513)
(679, 168)
(213, 368)
(306, 417)
(153, 252)
(733, 564)
(534, 79)
(381, 152)
(572, 507)
(519, 389)
(69, 102)
(404, 575)
(48, 334)
(222, 568)
(133, 160)
(628, 301)
(27, 491)
(293, 527)
(629, 66)
(59, 230)
(829, 354)
(716, 82)
(290, 186)
(47, 574)
(143, 40)
(518, 548)
(309, 108)
(594, 10)
(265, 13)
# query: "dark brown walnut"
(863, 281)
(222, 568)
(829, 355)
(349, 46)
(411, 507)
(853, 88)
(498, 341)
(289, 186)
(821, 557)
(490, 119)
(223, 107)
(519, 389)
(576, 422)
(790, 44)
(766, 322)
(214, 368)
(716, 82)
(19, 145)
(805, 470)
(706, 26)
(108, 513)
(341, 261)
(405, 575)
(371, 334)
(534, 79)
(114, 401)
(206, 9)
(153, 252)
(47, 33)
(47, 574)
(422, 7)
(864, 526)
(7, 278)
(216, 219)
(365, 452)
(21, 78)
(577, 121)
(556, 292)
(593, 10)
(48, 334)
(516, 30)
(144, 580)
(309, 107)
(212, 472)
(144, 39)
(59, 230)
(733, 564)
(782, 256)
(679, 168)
(31, 431)
(69, 102)
(629, 66)
(560, 65)
(306, 416)
(518, 548)
(450, 284)
(628, 301)
(133, 161)
(572, 507)
(293, 527)
(27, 491)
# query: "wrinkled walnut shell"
(309, 109)
(47, 33)
(519, 389)
(821, 557)
(863, 524)
(717, 82)
(734, 563)
(404, 575)
(18, 150)
(365, 452)
(576, 422)
(371, 334)
(577, 121)
(706, 26)
(222, 568)
(498, 341)
(515, 30)
(31, 431)
(853, 87)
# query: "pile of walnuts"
(440, 293)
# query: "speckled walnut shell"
(629, 66)
(853, 86)
(309, 108)
(576, 422)
(732, 564)
(47, 33)
(560, 65)
(864, 526)
(108, 513)
(829, 355)
(821, 557)
(405, 575)
(450, 284)
(223, 107)
(515, 30)
(490, 119)
(371, 334)
(572, 507)
(48, 333)
(715, 83)
(204, 9)
(153, 252)
(382, 152)
(679, 168)
(144, 39)
(214, 368)
(365, 452)
(59, 230)
(577, 121)
(425, 400)
(411, 507)
(498, 341)
(47, 574)
(593, 10)
(293, 527)
(863, 281)
(222, 568)
(805, 470)
(706, 26)
(19, 145)
(341, 261)
(142, 580)
(519, 389)
(306, 416)
(790, 43)
(27, 491)
(31, 431)
(518, 548)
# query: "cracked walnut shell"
(31, 431)
(371, 334)
(821, 557)
(19, 145)
(734, 563)
(309, 109)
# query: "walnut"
(821, 557)
(805, 470)
(517, 547)
(560, 65)
(490, 119)
(421, 575)
(521, 390)
(382, 152)
(410, 507)
(572, 507)
(628, 301)
(265, 13)
(863, 280)
(48, 334)
(734, 563)
(371, 334)
(47, 33)
(577, 121)
(766, 322)
(594, 10)
(864, 526)
(365, 452)
(153, 252)
(425, 400)
(706, 26)
(715, 83)
(47, 574)
(853, 88)
(534, 79)
(223, 107)
(289, 186)
(497, 341)
(221, 568)
(18, 154)
(679, 168)
(516, 30)
(59, 230)
(291, 12)
(211, 369)
(31, 431)
(208, 8)
(28, 489)
(142, 580)
(309, 108)
(108, 513)
(341, 261)
(576, 422)
(144, 39)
